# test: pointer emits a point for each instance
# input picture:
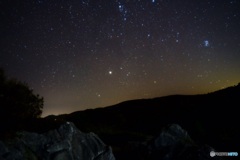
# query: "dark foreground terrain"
(130, 126)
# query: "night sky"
(81, 54)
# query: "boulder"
(64, 143)
(174, 143)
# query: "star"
(120, 7)
(98, 95)
(206, 43)
(110, 72)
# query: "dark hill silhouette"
(209, 118)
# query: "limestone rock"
(174, 143)
(65, 143)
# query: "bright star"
(206, 43)
(120, 7)
(110, 72)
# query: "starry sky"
(81, 54)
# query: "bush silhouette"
(18, 104)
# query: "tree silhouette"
(18, 103)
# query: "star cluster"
(81, 54)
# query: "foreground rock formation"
(174, 143)
(65, 143)
(68, 143)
